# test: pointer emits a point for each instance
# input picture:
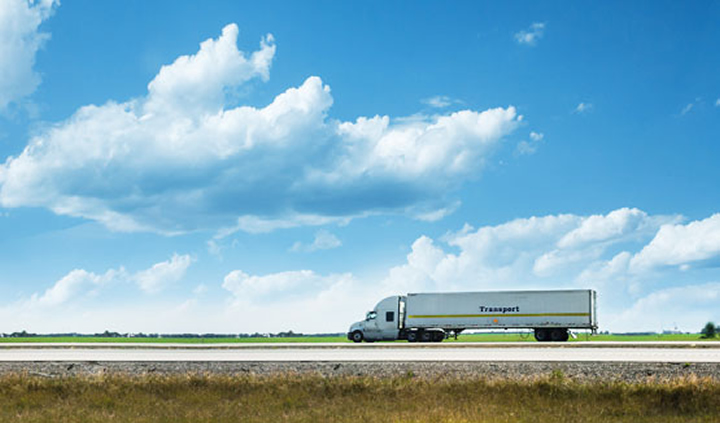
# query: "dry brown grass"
(350, 399)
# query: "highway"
(377, 352)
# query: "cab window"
(390, 316)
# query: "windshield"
(370, 315)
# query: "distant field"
(497, 337)
(306, 339)
(315, 398)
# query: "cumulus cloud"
(681, 245)
(20, 41)
(76, 283)
(614, 226)
(162, 274)
(324, 240)
(79, 282)
(180, 159)
(531, 35)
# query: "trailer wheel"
(412, 336)
(541, 335)
(558, 335)
(357, 336)
(438, 336)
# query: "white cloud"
(681, 245)
(688, 308)
(214, 248)
(612, 275)
(529, 147)
(197, 84)
(534, 136)
(583, 107)
(179, 159)
(280, 286)
(531, 35)
(20, 40)
(79, 283)
(440, 102)
(717, 102)
(687, 108)
(324, 240)
(526, 148)
(162, 274)
(613, 226)
(437, 214)
(256, 225)
(76, 283)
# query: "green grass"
(313, 398)
(497, 337)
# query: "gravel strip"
(578, 371)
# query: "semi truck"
(433, 317)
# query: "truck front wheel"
(357, 336)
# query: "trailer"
(432, 317)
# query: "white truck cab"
(382, 323)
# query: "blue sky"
(241, 167)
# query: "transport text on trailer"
(431, 317)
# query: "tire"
(357, 336)
(412, 336)
(542, 335)
(426, 336)
(558, 334)
(438, 336)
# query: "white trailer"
(431, 317)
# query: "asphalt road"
(530, 352)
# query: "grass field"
(293, 398)
(496, 337)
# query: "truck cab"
(382, 323)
